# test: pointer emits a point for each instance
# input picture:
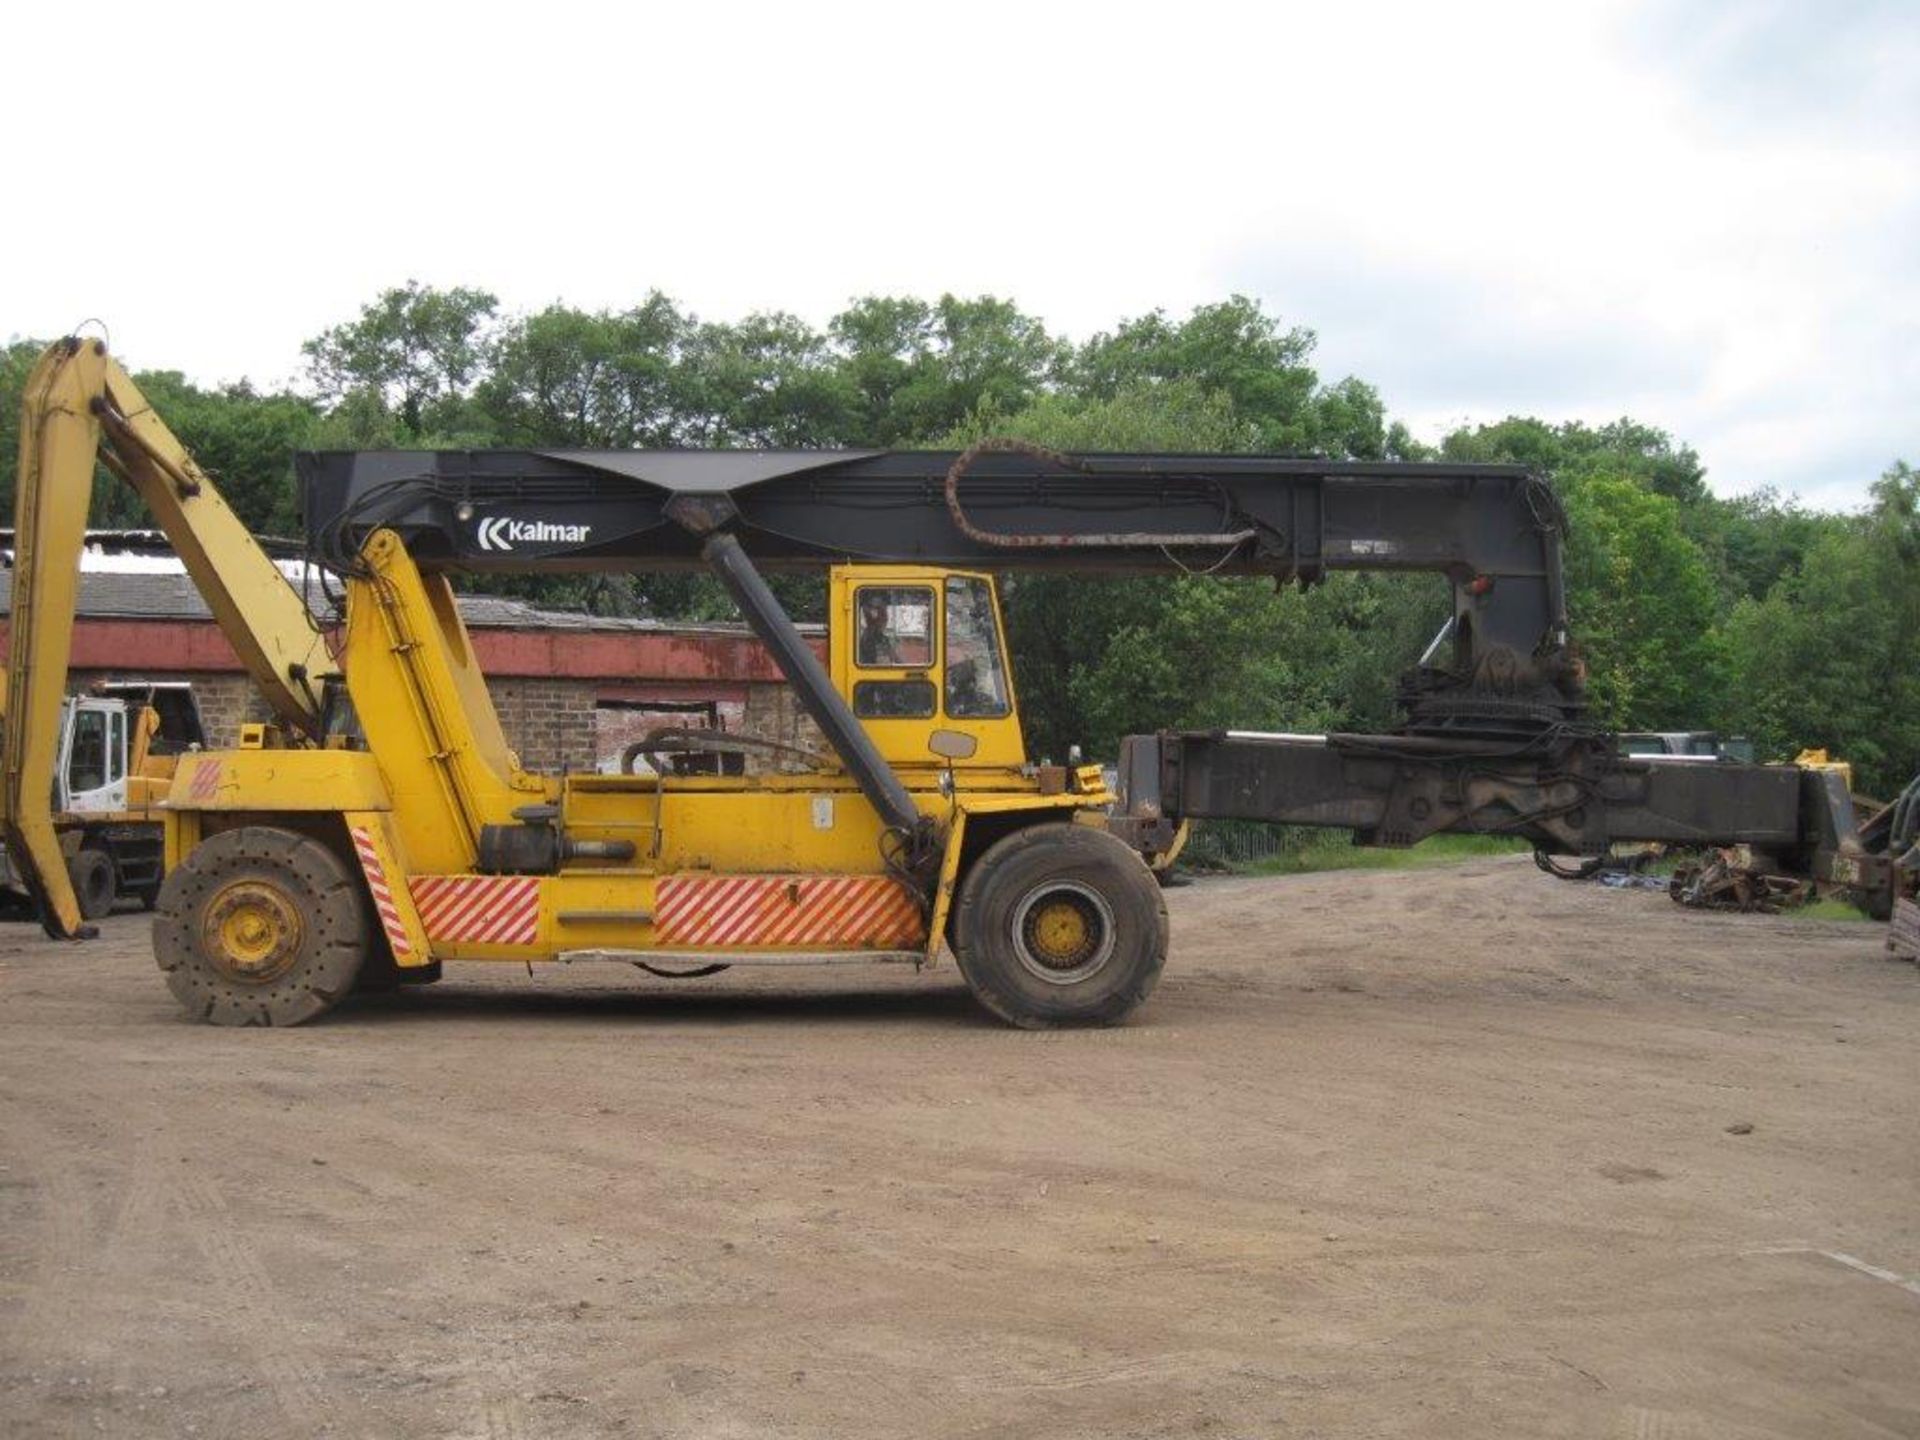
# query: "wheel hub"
(1063, 932)
(252, 932)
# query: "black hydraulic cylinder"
(811, 683)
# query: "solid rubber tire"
(1014, 867)
(333, 942)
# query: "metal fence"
(1242, 842)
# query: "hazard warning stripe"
(206, 780)
(493, 909)
(377, 883)
(866, 911)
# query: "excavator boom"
(81, 407)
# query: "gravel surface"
(1461, 1152)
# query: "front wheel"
(1060, 925)
(94, 883)
(260, 926)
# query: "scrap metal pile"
(1728, 879)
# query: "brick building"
(572, 690)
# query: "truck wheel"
(1060, 925)
(260, 926)
(93, 882)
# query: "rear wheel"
(94, 884)
(260, 926)
(1060, 925)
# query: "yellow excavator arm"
(79, 407)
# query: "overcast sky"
(1703, 215)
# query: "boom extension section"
(1493, 530)
(80, 406)
(1566, 794)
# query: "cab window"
(893, 699)
(976, 676)
(87, 762)
(893, 627)
(116, 744)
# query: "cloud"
(1706, 215)
(1713, 226)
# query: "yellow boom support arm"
(81, 406)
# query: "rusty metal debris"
(1728, 879)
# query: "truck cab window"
(87, 763)
(894, 627)
(116, 745)
(976, 677)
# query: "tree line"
(1752, 615)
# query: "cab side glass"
(116, 745)
(976, 675)
(893, 699)
(87, 767)
(893, 627)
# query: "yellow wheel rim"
(1063, 932)
(1059, 930)
(252, 931)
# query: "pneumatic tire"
(260, 926)
(1060, 924)
(95, 886)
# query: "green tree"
(1233, 349)
(16, 364)
(1831, 656)
(917, 370)
(1236, 350)
(1645, 608)
(568, 377)
(1572, 451)
(767, 380)
(245, 440)
(419, 350)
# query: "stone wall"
(227, 700)
(775, 712)
(549, 723)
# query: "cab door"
(93, 760)
(917, 649)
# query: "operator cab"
(915, 650)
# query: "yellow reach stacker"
(382, 826)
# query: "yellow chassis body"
(779, 829)
(763, 868)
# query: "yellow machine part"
(762, 865)
(1817, 759)
(80, 406)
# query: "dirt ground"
(1440, 1153)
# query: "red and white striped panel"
(206, 780)
(494, 909)
(376, 874)
(872, 912)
